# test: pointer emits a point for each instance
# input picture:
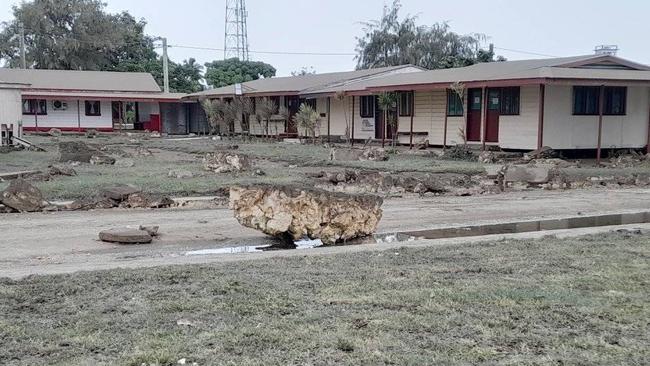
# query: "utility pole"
(165, 65)
(23, 61)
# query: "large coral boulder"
(224, 162)
(22, 196)
(293, 213)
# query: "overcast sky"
(550, 27)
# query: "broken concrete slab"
(22, 196)
(526, 174)
(146, 200)
(293, 213)
(224, 162)
(125, 236)
(119, 193)
(75, 151)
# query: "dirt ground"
(42, 243)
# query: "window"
(367, 106)
(615, 101)
(510, 101)
(405, 104)
(454, 104)
(585, 100)
(93, 108)
(311, 102)
(34, 106)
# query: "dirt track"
(67, 241)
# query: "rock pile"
(21, 196)
(225, 162)
(369, 154)
(293, 213)
(121, 196)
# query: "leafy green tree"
(387, 101)
(392, 41)
(265, 109)
(308, 119)
(233, 71)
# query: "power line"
(271, 52)
(524, 52)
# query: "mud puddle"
(454, 232)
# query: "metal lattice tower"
(236, 34)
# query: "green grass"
(548, 302)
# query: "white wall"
(11, 107)
(69, 119)
(359, 133)
(520, 132)
(340, 117)
(563, 130)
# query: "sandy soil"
(43, 243)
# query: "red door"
(492, 123)
(474, 103)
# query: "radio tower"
(236, 35)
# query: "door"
(381, 125)
(474, 103)
(118, 114)
(379, 121)
(492, 123)
(293, 105)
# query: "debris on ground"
(143, 151)
(125, 236)
(124, 196)
(151, 230)
(350, 154)
(223, 162)
(125, 163)
(65, 170)
(146, 200)
(527, 174)
(544, 152)
(487, 157)
(75, 151)
(459, 152)
(20, 174)
(119, 193)
(22, 196)
(180, 174)
(629, 160)
(90, 133)
(115, 150)
(101, 159)
(54, 132)
(293, 213)
(259, 172)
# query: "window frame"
(34, 107)
(457, 102)
(585, 112)
(99, 108)
(514, 109)
(406, 104)
(608, 99)
(371, 112)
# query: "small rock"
(61, 170)
(259, 172)
(223, 162)
(180, 174)
(151, 230)
(125, 236)
(143, 151)
(146, 200)
(55, 132)
(90, 203)
(120, 193)
(22, 196)
(532, 175)
(125, 163)
(91, 133)
(100, 159)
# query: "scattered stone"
(226, 147)
(91, 133)
(5, 209)
(487, 157)
(75, 151)
(544, 152)
(125, 236)
(100, 159)
(223, 162)
(146, 200)
(525, 174)
(293, 213)
(459, 152)
(492, 171)
(22, 196)
(151, 230)
(374, 154)
(54, 132)
(119, 193)
(125, 163)
(91, 203)
(65, 170)
(423, 145)
(143, 151)
(180, 174)
(553, 163)
(259, 172)
(115, 150)
(370, 154)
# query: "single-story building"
(583, 102)
(292, 91)
(81, 100)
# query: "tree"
(308, 119)
(391, 42)
(386, 101)
(266, 108)
(214, 112)
(233, 71)
(81, 35)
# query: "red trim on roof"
(67, 129)
(90, 97)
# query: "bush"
(459, 152)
